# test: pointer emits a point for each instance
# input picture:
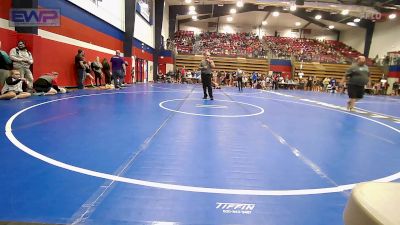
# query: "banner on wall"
(144, 8)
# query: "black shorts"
(355, 91)
(41, 85)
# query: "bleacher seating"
(239, 44)
(228, 64)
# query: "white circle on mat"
(260, 110)
(176, 187)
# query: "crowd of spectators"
(250, 45)
(302, 49)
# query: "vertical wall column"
(159, 14)
(130, 12)
(33, 4)
(368, 37)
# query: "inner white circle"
(261, 110)
(93, 173)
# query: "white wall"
(260, 31)
(355, 37)
(386, 38)
(195, 27)
(144, 31)
(320, 34)
(111, 11)
(169, 67)
(165, 25)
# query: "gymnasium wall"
(165, 25)
(98, 32)
(355, 37)
(200, 27)
(386, 38)
(144, 31)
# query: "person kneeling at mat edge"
(47, 85)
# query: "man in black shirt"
(12, 88)
(80, 68)
(5, 66)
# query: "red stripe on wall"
(5, 6)
(8, 39)
(280, 68)
(138, 53)
(164, 59)
(78, 31)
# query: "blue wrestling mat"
(161, 155)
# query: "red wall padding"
(72, 29)
(138, 53)
(394, 74)
(51, 56)
(5, 6)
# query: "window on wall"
(145, 9)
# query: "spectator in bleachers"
(106, 71)
(22, 61)
(13, 87)
(47, 84)
(80, 68)
(358, 77)
(206, 66)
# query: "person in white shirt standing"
(22, 61)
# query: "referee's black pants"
(206, 80)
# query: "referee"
(206, 74)
(357, 77)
